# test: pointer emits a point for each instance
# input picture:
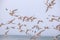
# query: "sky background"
(34, 8)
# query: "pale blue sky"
(35, 8)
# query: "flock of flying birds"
(31, 19)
